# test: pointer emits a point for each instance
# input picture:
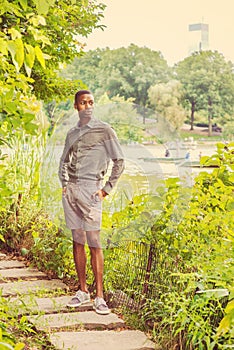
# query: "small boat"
(178, 160)
(196, 164)
(162, 160)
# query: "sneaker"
(79, 299)
(100, 306)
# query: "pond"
(146, 167)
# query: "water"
(136, 155)
(140, 176)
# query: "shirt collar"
(90, 124)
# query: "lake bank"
(136, 155)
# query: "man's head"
(84, 103)
(83, 99)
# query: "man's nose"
(88, 105)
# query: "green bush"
(10, 325)
(179, 247)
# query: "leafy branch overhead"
(36, 39)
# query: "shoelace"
(100, 302)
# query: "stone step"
(76, 320)
(28, 287)
(10, 264)
(102, 340)
(31, 304)
(21, 273)
(77, 329)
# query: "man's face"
(85, 102)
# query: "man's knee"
(79, 236)
(93, 239)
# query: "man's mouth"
(85, 113)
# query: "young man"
(89, 147)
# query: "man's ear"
(75, 106)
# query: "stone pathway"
(77, 329)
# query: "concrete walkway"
(81, 328)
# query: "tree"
(34, 43)
(208, 83)
(36, 38)
(122, 115)
(166, 100)
(85, 68)
(127, 72)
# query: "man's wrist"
(104, 193)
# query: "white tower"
(198, 37)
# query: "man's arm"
(117, 169)
(115, 152)
(64, 160)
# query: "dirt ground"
(199, 130)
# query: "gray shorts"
(82, 209)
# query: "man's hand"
(101, 194)
(64, 189)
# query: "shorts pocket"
(96, 198)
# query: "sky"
(162, 25)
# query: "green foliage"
(179, 245)
(33, 46)
(122, 115)
(191, 258)
(208, 84)
(227, 323)
(228, 133)
(182, 257)
(203, 243)
(20, 170)
(165, 98)
(128, 72)
(206, 80)
(9, 326)
(16, 332)
(50, 244)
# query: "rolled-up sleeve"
(115, 153)
(64, 160)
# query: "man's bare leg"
(97, 260)
(79, 255)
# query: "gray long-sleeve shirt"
(87, 153)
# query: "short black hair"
(81, 92)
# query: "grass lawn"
(199, 134)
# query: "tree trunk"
(144, 115)
(192, 116)
(209, 117)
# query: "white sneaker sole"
(107, 312)
(78, 304)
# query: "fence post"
(148, 268)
